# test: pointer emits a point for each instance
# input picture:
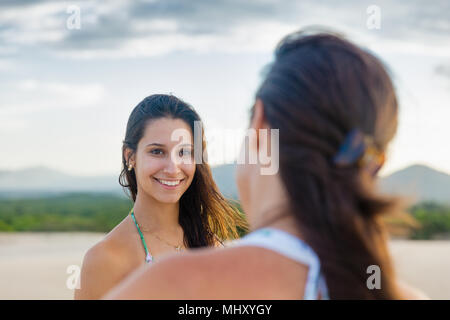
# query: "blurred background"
(72, 71)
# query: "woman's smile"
(169, 183)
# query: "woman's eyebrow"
(163, 145)
(155, 144)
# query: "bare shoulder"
(103, 267)
(410, 293)
(101, 254)
(220, 273)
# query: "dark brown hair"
(319, 88)
(204, 212)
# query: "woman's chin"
(168, 198)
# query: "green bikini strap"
(140, 233)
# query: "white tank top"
(294, 248)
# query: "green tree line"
(68, 212)
(433, 219)
(102, 212)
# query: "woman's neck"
(154, 216)
(270, 206)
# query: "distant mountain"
(41, 180)
(224, 176)
(418, 182)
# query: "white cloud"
(85, 93)
(11, 124)
(38, 95)
(123, 29)
(389, 46)
(6, 64)
(33, 24)
(251, 38)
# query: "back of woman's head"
(318, 92)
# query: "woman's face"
(245, 172)
(164, 164)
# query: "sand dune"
(34, 265)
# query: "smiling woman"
(177, 205)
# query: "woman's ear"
(129, 156)
(258, 120)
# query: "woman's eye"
(156, 151)
(185, 152)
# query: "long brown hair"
(319, 88)
(204, 212)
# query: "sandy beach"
(35, 265)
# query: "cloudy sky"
(67, 89)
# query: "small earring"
(130, 167)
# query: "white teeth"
(170, 183)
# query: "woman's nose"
(171, 166)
